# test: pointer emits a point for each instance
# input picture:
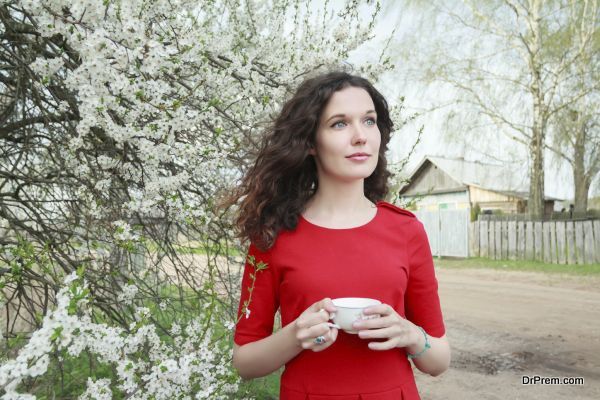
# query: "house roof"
(493, 177)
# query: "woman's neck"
(339, 201)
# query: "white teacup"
(349, 310)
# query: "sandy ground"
(503, 325)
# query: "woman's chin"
(353, 177)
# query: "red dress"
(388, 259)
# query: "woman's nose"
(360, 135)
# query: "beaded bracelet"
(427, 346)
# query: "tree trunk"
(535, 203)
(582, 187)
(536, 145)
(580, 178)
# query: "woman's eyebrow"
(343, 115)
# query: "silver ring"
(320, 339)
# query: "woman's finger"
(312, 319)
(312, 332)
(320, 330)
(382, 333)
(325, 304)
(382, 309)
(373, 323)
(318, 318)
(330, 338)
(380, 346)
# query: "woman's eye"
(335, 125)
(372, 120)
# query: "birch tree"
(510, 70)
(575, 129)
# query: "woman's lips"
(358, 158)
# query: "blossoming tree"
(121, 122)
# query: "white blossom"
(97, 390)
(127, 293)
(123, 231)
(171, 373)
(230, 325)
(46, 67)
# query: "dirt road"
(503, 325)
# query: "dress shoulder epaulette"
(396, 208)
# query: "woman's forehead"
(349, 101)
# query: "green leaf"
(56, 333)
(261, 266)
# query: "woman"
(312, 209)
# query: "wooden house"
(453, 183)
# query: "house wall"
(510, 207)
(432, 178)
(450, 201)
(479, 195)
(489, 200)
(446, 193)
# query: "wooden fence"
(447, 230)
(558, 242)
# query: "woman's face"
(348, 139)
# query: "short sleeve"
(259, 299)
(422, 303)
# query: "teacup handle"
(332, 325)
(331, 315)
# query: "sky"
(558, 175)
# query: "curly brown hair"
(275, 190)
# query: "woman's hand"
(314, 322)
(399, 331)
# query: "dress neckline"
(366, 224)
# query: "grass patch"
(517, 265)
(265, 388)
